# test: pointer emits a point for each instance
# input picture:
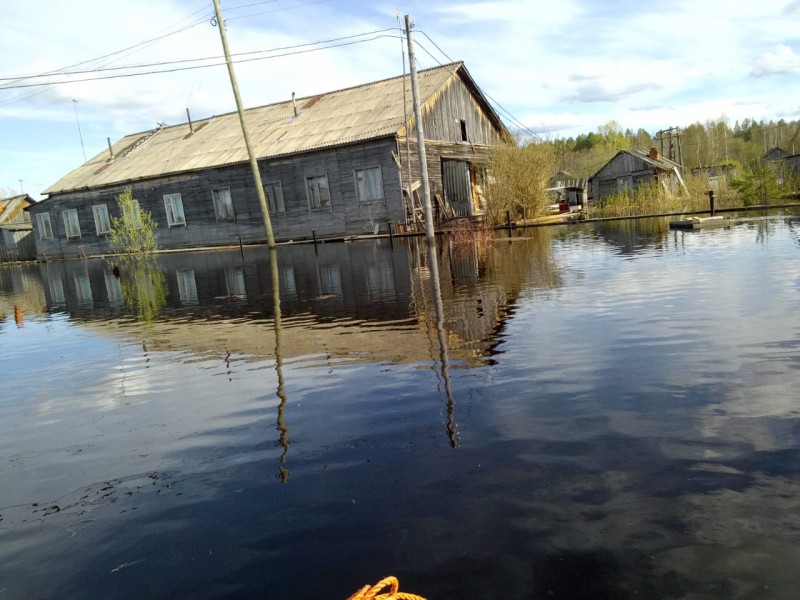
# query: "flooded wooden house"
(16, 234)
(629, 169)
(716, 177)
(336, 164)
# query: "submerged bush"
(518, 179)
(133, 232)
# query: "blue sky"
(560, 67)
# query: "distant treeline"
(706, 144)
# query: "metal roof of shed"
(369, 111)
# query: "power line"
(514, 120)
(273, 11)
(110, 54)
(190, 60)
(203, 66)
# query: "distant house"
(340, 163)
(716, 176)
(793, 167)
(16, 236)
(568, 190)
(782, 164)
(629, 169)
(774, 154)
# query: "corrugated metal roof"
(369, 111)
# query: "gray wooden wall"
(346, 216)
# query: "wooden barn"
(16, 237)
(340, 163)
(629, 169)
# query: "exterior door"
(457, 186)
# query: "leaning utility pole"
(262, 199)
(430, 234)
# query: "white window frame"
(102, 222)
(137, 214)
(45, 226)
(72, 225)
(223, 204)
(313, 192)
(362, 179)
(175, 218)
(275, 201)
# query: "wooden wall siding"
(435, 153)
(345, 217)
(16, 245)
(604, 183)
(442, 122)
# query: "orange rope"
(370, 593)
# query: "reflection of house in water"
(363, 301)
(481, 282)
(21, 293)
(632, 235)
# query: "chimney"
(654, 153)
(294, 105)
(110, 151)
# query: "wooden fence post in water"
(391, 234)
(508, 222)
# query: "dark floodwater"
(595, 412)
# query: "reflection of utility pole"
(444, 357)
(78, 121)
(283, 440)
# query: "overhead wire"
(146, 42)
(276, 53)
(266, 12)
(514, 120)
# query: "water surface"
(595, 411)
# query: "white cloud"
(781, 61)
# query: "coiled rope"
(371, 592)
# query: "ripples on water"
(613, 414)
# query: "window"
(319, 194)
(223, 205)
(101, 221)
(369, 185)
(274, 193)
(234, 282)
(187, 286)
(132, 214)
(83, 288)
(45, 227)
(174, 206)
(464, 137)
(71, 224)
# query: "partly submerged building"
(629, 169)
(340, 163)
(16, 238)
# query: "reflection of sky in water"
(623, 406)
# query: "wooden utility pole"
(262, 198)
(430, 234)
